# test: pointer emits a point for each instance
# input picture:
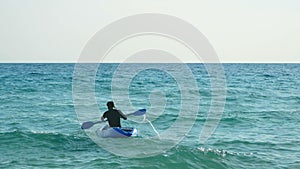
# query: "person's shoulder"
(118, 110)
(121, 113)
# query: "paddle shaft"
(89, 124)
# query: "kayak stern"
(116, 132)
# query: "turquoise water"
(259, 128)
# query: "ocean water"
(259, 128)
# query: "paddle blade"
(139, 112)
(87, 125)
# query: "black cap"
(110, 104)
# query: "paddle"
(89, 124)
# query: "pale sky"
(239, 30)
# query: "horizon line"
(271, 62)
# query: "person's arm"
(103, 117)
(122, 115)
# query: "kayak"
(116, 132)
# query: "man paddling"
(113, 115)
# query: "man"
(113, 115)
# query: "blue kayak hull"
(116, 132)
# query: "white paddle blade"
(139, 112)
(87, 125)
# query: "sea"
(257, 125)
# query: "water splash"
(145, 119)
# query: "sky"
(239, 30)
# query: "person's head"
(110, 105)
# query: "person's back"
(113, 115)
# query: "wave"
(248, 143)
(52, 140)
(66, 148)
(201, 157)
(268, 76)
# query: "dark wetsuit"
(113, 116)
